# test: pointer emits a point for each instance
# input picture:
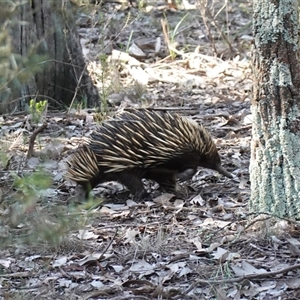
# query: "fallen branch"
(239, 279)
(33, 137)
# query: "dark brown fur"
(144, 144)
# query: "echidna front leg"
(132, 179)
(187, 174)
(166, 178)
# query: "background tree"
(275, 160)
(47, 51)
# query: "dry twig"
(33, 137)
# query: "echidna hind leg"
(133, 181)
(164, 177)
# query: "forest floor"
(206, 246)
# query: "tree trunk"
(275, 159)
(50, 32)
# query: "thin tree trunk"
(50, 32)
(275, 160)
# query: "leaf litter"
(203, 246)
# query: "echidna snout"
(144, 144)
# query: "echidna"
(143, 144)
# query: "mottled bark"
(51, 33)
(275, 159)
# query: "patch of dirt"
(205, 246)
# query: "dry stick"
(131, 297)
(203, 12)
(166, 37)
(76, 89)
(270, 215)
(82, 73)
(33, 137)
(16, 275)
(239, 279)
(108, 245)
(255, 214)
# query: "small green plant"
(32, 186)
(105, 86)
(36, 220)
(170, 35)
(129, 41)
(139, 89)
(99, 116)
(82, 104)
(4, 158)
(141, 4)
(29, 190)
(109, 82)
(37, 109)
